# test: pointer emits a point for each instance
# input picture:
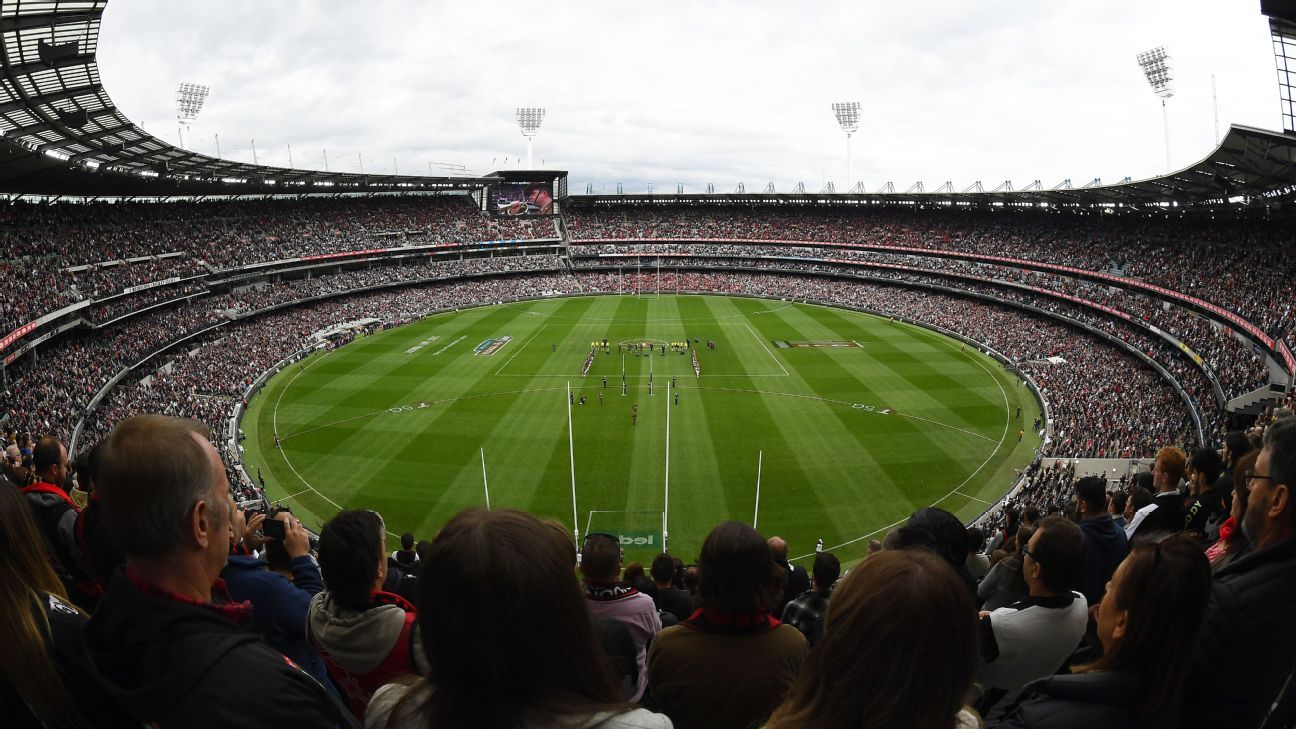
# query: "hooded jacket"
(280, 605)
(175, 663)
(1105, 547)
(365, 649)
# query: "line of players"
(634, 409)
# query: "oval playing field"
(847, 421)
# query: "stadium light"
(848, 116)
(189, 99)
(529, 120)
(1156, 66)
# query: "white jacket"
(385, 699)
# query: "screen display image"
(522, 198)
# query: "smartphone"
(273, 529)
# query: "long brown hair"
(1165, 587)
(899, 649)
(25, 580)
(506, 628)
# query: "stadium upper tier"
(66, 266)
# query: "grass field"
(854, 421)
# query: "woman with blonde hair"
(899, 649)
(45, 678)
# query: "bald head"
(778, 548)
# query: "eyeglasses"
(1251, 476)
(1026, 552)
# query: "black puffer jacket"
(176, 665)
(1248, 645)
(1094, 700)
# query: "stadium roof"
(1250, 168)
(61, 134)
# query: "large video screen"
(521, 198)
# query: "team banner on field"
(491, 346)
(816, 344)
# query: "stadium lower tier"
(1104, 400)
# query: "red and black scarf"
(723, 622)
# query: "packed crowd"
(154, 598)
(95, 250)
(1241, 265)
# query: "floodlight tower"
(1156, 66)
(529, 120)
(189, 99)
(848, 116)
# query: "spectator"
(899, 649)
(280, 591)
(1105, 544)
(1139, 499)
(508, 635)
(796, 582)
(669, 598)
(424, 545)
(366, 636)
(874, 546)
(100, 554)
(806, 611)
(978, 563)
(1236, 445)
(943, 533)
(406, 554)
(600, 566)
(167, 641)
(1205, 512)
(55, 515)
(1032, 638)
(1232, 542)
(1148, 623)
(1116, 508)
(729, 664)
(633, 576)
(45, 678)
(1166, 513)
(1005, 583)
(1250, 626)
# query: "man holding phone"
(280, 587)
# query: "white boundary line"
(274, 422)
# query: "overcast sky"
(667, 93)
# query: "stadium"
(490, 377)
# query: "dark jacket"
(180, 664)
(1248, 644)
(66, 646)
(1105, 547)
(1094, 700)
(279, 606)
(798, 581)
(675, 601)
(1168, 516)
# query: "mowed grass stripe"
(828, 469)
(887, 465)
